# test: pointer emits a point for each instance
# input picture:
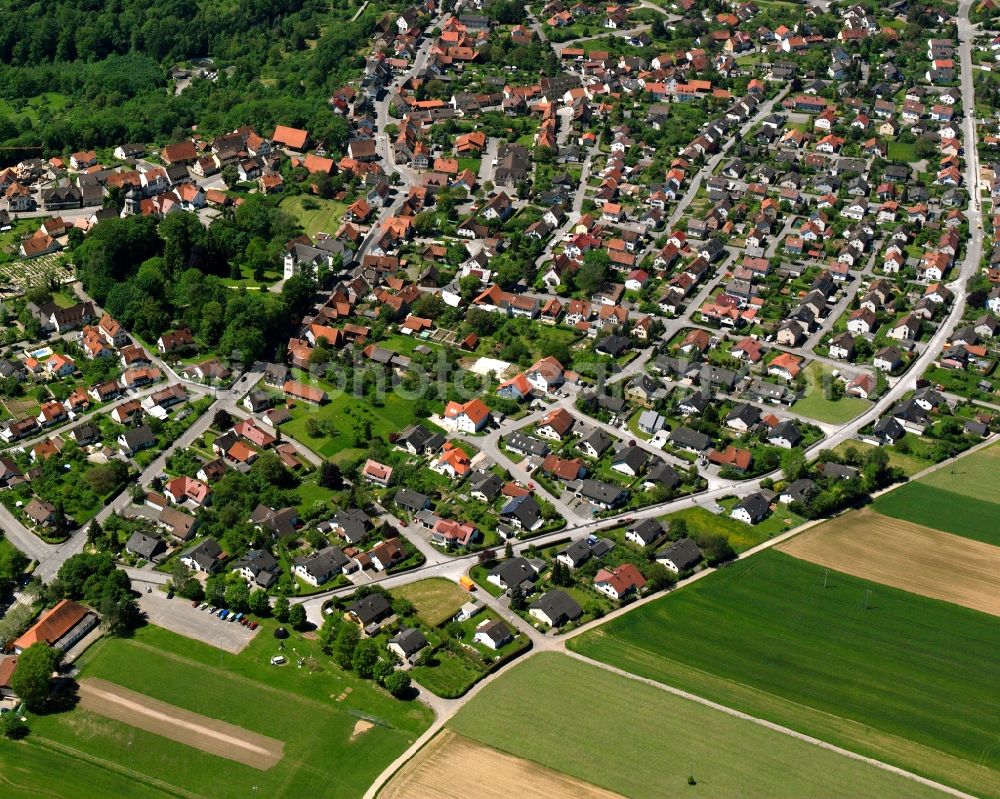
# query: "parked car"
(223, 613)
(195, 603)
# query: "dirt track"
(907, 556)
(210, 735)
(453, 766)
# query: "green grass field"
(296, 705)
(908, 680)
(908, 462)
(324, 218)
(644, 742)
(816, 404)
(436, 599)
(959, 498)
(818, 407)
(741, 536)
(943, 510)
(66, 774)
(900, 151)
(971, 476)
(345, 416)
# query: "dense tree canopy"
(101, 72)
(155, 278)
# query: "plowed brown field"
(906, 556)
(453, 766)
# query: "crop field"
(971, 476)
(436, 599)
(895, 552)
(645, 742)
(888, 674)
(451, 765)
(202, 685)
(959, 498)
(943, 510)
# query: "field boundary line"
(139, 776)
(775, 727)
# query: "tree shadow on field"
(64, 697)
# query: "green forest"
(78, 74)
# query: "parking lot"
(177, 615)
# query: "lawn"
(451, 675)
(243, 690)
(908, 462)
(741, 536)
(436, 599)
(944, 510)
(344, 419)
(886, 673)
(901, 151)
(642, 742)
(247, 281)
(321, 216)
(817, 404)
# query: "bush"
(12, 726)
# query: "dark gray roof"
(487, 483)
(597, 439)
(755, 504)
(633, 457)
(323, 562)
(559, 606)
(261, 564)
(648, 530)
(799, 490)
(525, 509)
(684, 554)
(747, 413)
(496, 630)
(410, 641)
(686, 437)
(145, 545)
(353, 524)
(786, 430)
(529, 445)
(206, 554)
(832, 469)
(663, 473)
(412, 500)
(373, 607)
(514, 572)
(601, 492)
